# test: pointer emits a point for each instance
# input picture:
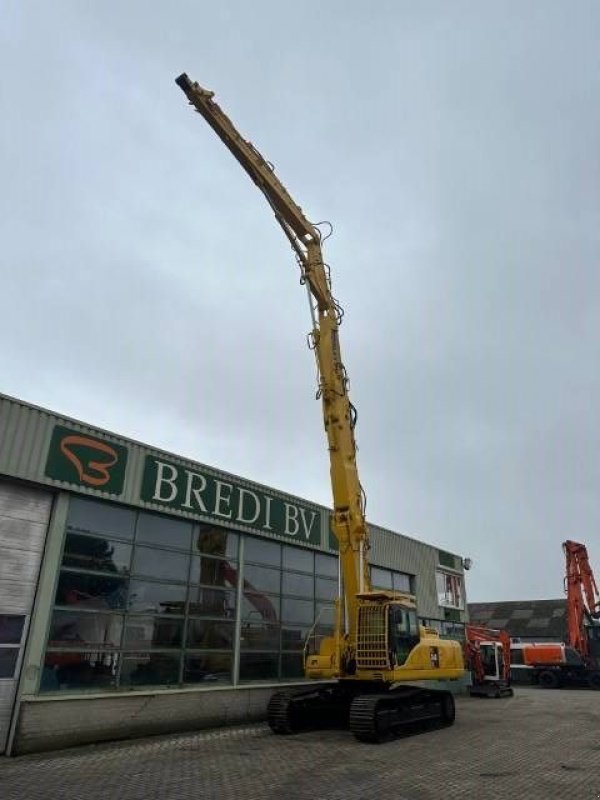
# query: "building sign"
(85, 460)
(185, 489)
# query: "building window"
(139, 599)
(452, 630)
(392, 581)
(149, 600)
(446, 630)
(449, 590)
(11, 634)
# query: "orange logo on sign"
(94, 473)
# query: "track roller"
(379, 717)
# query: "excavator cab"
(488, 657)
(492, 658)
(403, 632)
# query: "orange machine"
(487, 655)
(544, 653)
(576, 662)
(550, 665)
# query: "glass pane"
(381, 578)
(259, 636)
(262, 579)
(449, 589)
(85, 629)
(303, 585)
(90, 552)
(326, 589)
(91, 591)
(155, 529)
(402, 582)
(11, 628)
(207, 668)
(259, 666)
(295, 558)
(212, 602)
(144, 632)
(260, 606)
(326, 565)
(8, 661)
(216, 542)
(160, 564)
(150, 669)
(158, 598)
(208, 634)
(90, 670)
(325, 615)
(262, 551)
(293, 638)
(299, 611)
(292, 665)
(89, 515)
(213, 572)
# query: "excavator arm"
(583, 598)
(349, 523)
(303, 235)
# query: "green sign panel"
(185, 489)
(84, 460)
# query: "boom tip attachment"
(183, 82)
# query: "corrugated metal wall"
(24, 517)
(401, 553)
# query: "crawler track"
(373, 714)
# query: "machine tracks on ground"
(380, 717)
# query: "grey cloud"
(146, 287)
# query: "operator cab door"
(403, 633)
(491, 658)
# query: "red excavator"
(577, 661)
(487, 655)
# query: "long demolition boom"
(349, 523)
(583, 598)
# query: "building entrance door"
(24, 518)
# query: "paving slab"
(538, 744)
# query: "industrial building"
(524, 620)
(141, 592)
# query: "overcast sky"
(455, 147)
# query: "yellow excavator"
(378, 644)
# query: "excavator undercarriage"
(373, 712)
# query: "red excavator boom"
(583, 598)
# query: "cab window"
(403, 633)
